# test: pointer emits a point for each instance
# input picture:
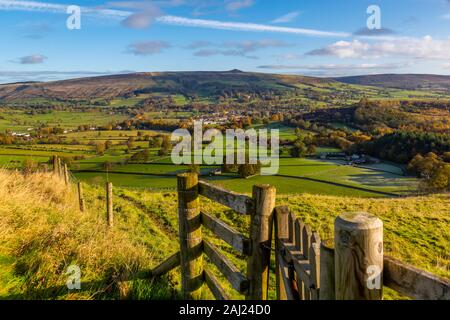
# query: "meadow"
(295, 175)
(43, 233)
(20, 121)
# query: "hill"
(401, 81)
(187, 83)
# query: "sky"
(318, 38)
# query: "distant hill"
(187, 83)
(401, 81)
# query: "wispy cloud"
(235, 48)
(32, 59)
(236, 5)
(374, 32)
(166, 19)
(35, 6)
(146, 48)
(289, 17)
(421, 48)
(243, 26)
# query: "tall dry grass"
(43, 232)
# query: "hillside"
(401, 81)
(42, 232)
(188, 83)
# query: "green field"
(294, 176)
(19, 121)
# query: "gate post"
(281, 233)
(358, 239)
(190, 234)
(261, 239)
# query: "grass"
(42, 232)
(19, 121)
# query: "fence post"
(358, 239)
(260, 237)
(109, 204)
(80, 196)
(326, 291)
(66, 174)
(55, 165)
(190, 233)
(281, 233)
(60, 168)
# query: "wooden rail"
(223, 231)
(237, 280)
(214, 285)
(256, 246)
(307, 268)
(352, 266)
(413, 282)
(238, 202)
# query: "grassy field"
(19, 121)
(296, 175)
(43, 233)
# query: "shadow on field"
(137, 287)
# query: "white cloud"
(420, 48)
(57, 8)
(142, 19)
(146, 48)
(236, 5)
(32, 59)
(242, 26)
(287, 17)
(167, 19)
(235, 48)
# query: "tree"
(100, 149)
(141, 156)
(166, 146)
(108, 144)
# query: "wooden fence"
(352, 266)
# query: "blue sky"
(318, 38)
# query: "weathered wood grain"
(281, 233)
(413, 282)
(190, 234)
(223, 231)
(214, 285)
(314, 261)
(170, 263)
(327, 270)
(358, 239)
(238, 202)
(237, 280)
(80, 197)
(261, 237)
